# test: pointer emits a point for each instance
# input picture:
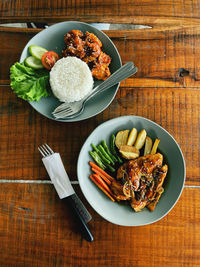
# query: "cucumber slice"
(33, 63)
(37, 51)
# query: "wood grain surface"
(36, 229)
(177, 110)
(159, 91)
(170, 56)
(125, 11)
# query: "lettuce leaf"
(27, 83)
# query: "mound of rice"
(70, 79)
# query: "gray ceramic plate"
(119, 213)
(52, 38)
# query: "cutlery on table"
(60, 180)
(73, 109)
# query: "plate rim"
(182, 158)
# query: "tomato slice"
(49, 59)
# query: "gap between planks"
(49, 182)
(3, 181)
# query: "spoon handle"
(122, 73)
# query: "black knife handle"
(79, 219)
(81, 208)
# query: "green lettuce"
(28, 83)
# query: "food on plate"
(103, 155)
(144, 175)
(137, 177)
(129, 152)
(70, 79)
(140, 139)
(49, 59)
(28, 83)
(100, 159)
(155, 146)
(87, 47)
(132, 137)
(29, 80)
(151, 206)
(33, 63)
(148, 146)
(101, 179)
(37, 51)
(113, 149)
(121, 138)
(107, 150)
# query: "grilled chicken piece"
(152, 192)
(122, 171)
(143, 166)
(159, 176)
(151, 206)
(138, 205)
(145, 175)
(117, 187)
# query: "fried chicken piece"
(87, 47)
(101, 71)
(74, 44)
(93, 51)
(92, 47)
(91, 38)
(104, 58)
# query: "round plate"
(119, 213)
(52, 38)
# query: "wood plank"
(106, 11)
(12, 46)
(22, 129)
(160, 54)
(36, 229)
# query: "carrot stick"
(96, 167)
(101, 182)
(102, 176)
(93, 179)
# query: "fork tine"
(63, 113)
(52, 152)
(45, 150)
(61, 107)
(58, 112)
(41, 152)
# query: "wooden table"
(34, 230)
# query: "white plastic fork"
(73, 109)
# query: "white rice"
(70, 79)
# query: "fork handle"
(122, 73)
